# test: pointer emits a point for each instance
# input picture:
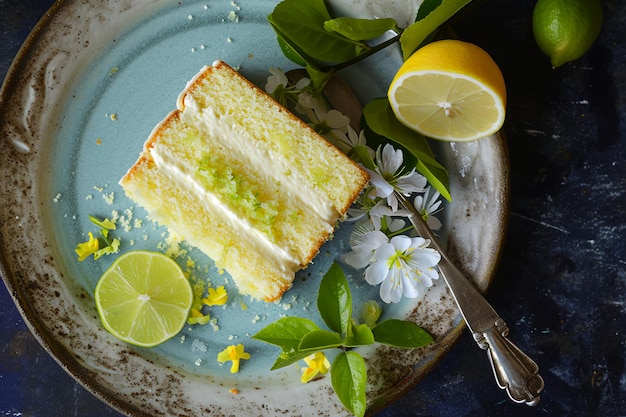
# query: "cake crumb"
(213, 323)
(198, 346)
(172, 245)
(109, 198)
(125, 220)
(233, 16)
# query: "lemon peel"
(449, 90)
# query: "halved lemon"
(449, 90)
(143, 298)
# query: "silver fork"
(512, 368)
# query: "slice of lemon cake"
(244, 180)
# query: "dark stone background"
(561, 285)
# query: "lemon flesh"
(449, 90)
(143, 298)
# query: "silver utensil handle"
(513, 369)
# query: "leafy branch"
(299, 338)
(323, 45)
(309, 36)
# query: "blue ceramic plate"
(78, 103)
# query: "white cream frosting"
(239, 143)
(243, 147)
(179, 173)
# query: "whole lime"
(566, 29)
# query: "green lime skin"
(565, 29)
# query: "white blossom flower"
(308, 104)
(402, 266)
(364, 243)
(278, 78)
(278, 86)
(372, 210)
(388, 176)
(351, 139)
(428, 206)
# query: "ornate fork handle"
(513, 369)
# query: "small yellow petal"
(317, 363)
(308, 374)
(235, 354)
(196, 316)
(216, 297)
(83, 250)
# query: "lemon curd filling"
(242, 195)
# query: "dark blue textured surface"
(562, 282)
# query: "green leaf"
(301, 24)
(292, 52)
(349, 378)
(381, 119)
(286, 332)
(401, 333)
(360, 29)
(360, 335)
(334, 300)
(426, 7)
(414, 35)
(320, 340)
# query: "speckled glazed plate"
(79, 101)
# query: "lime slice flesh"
(143, 298)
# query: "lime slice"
(143, 298)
